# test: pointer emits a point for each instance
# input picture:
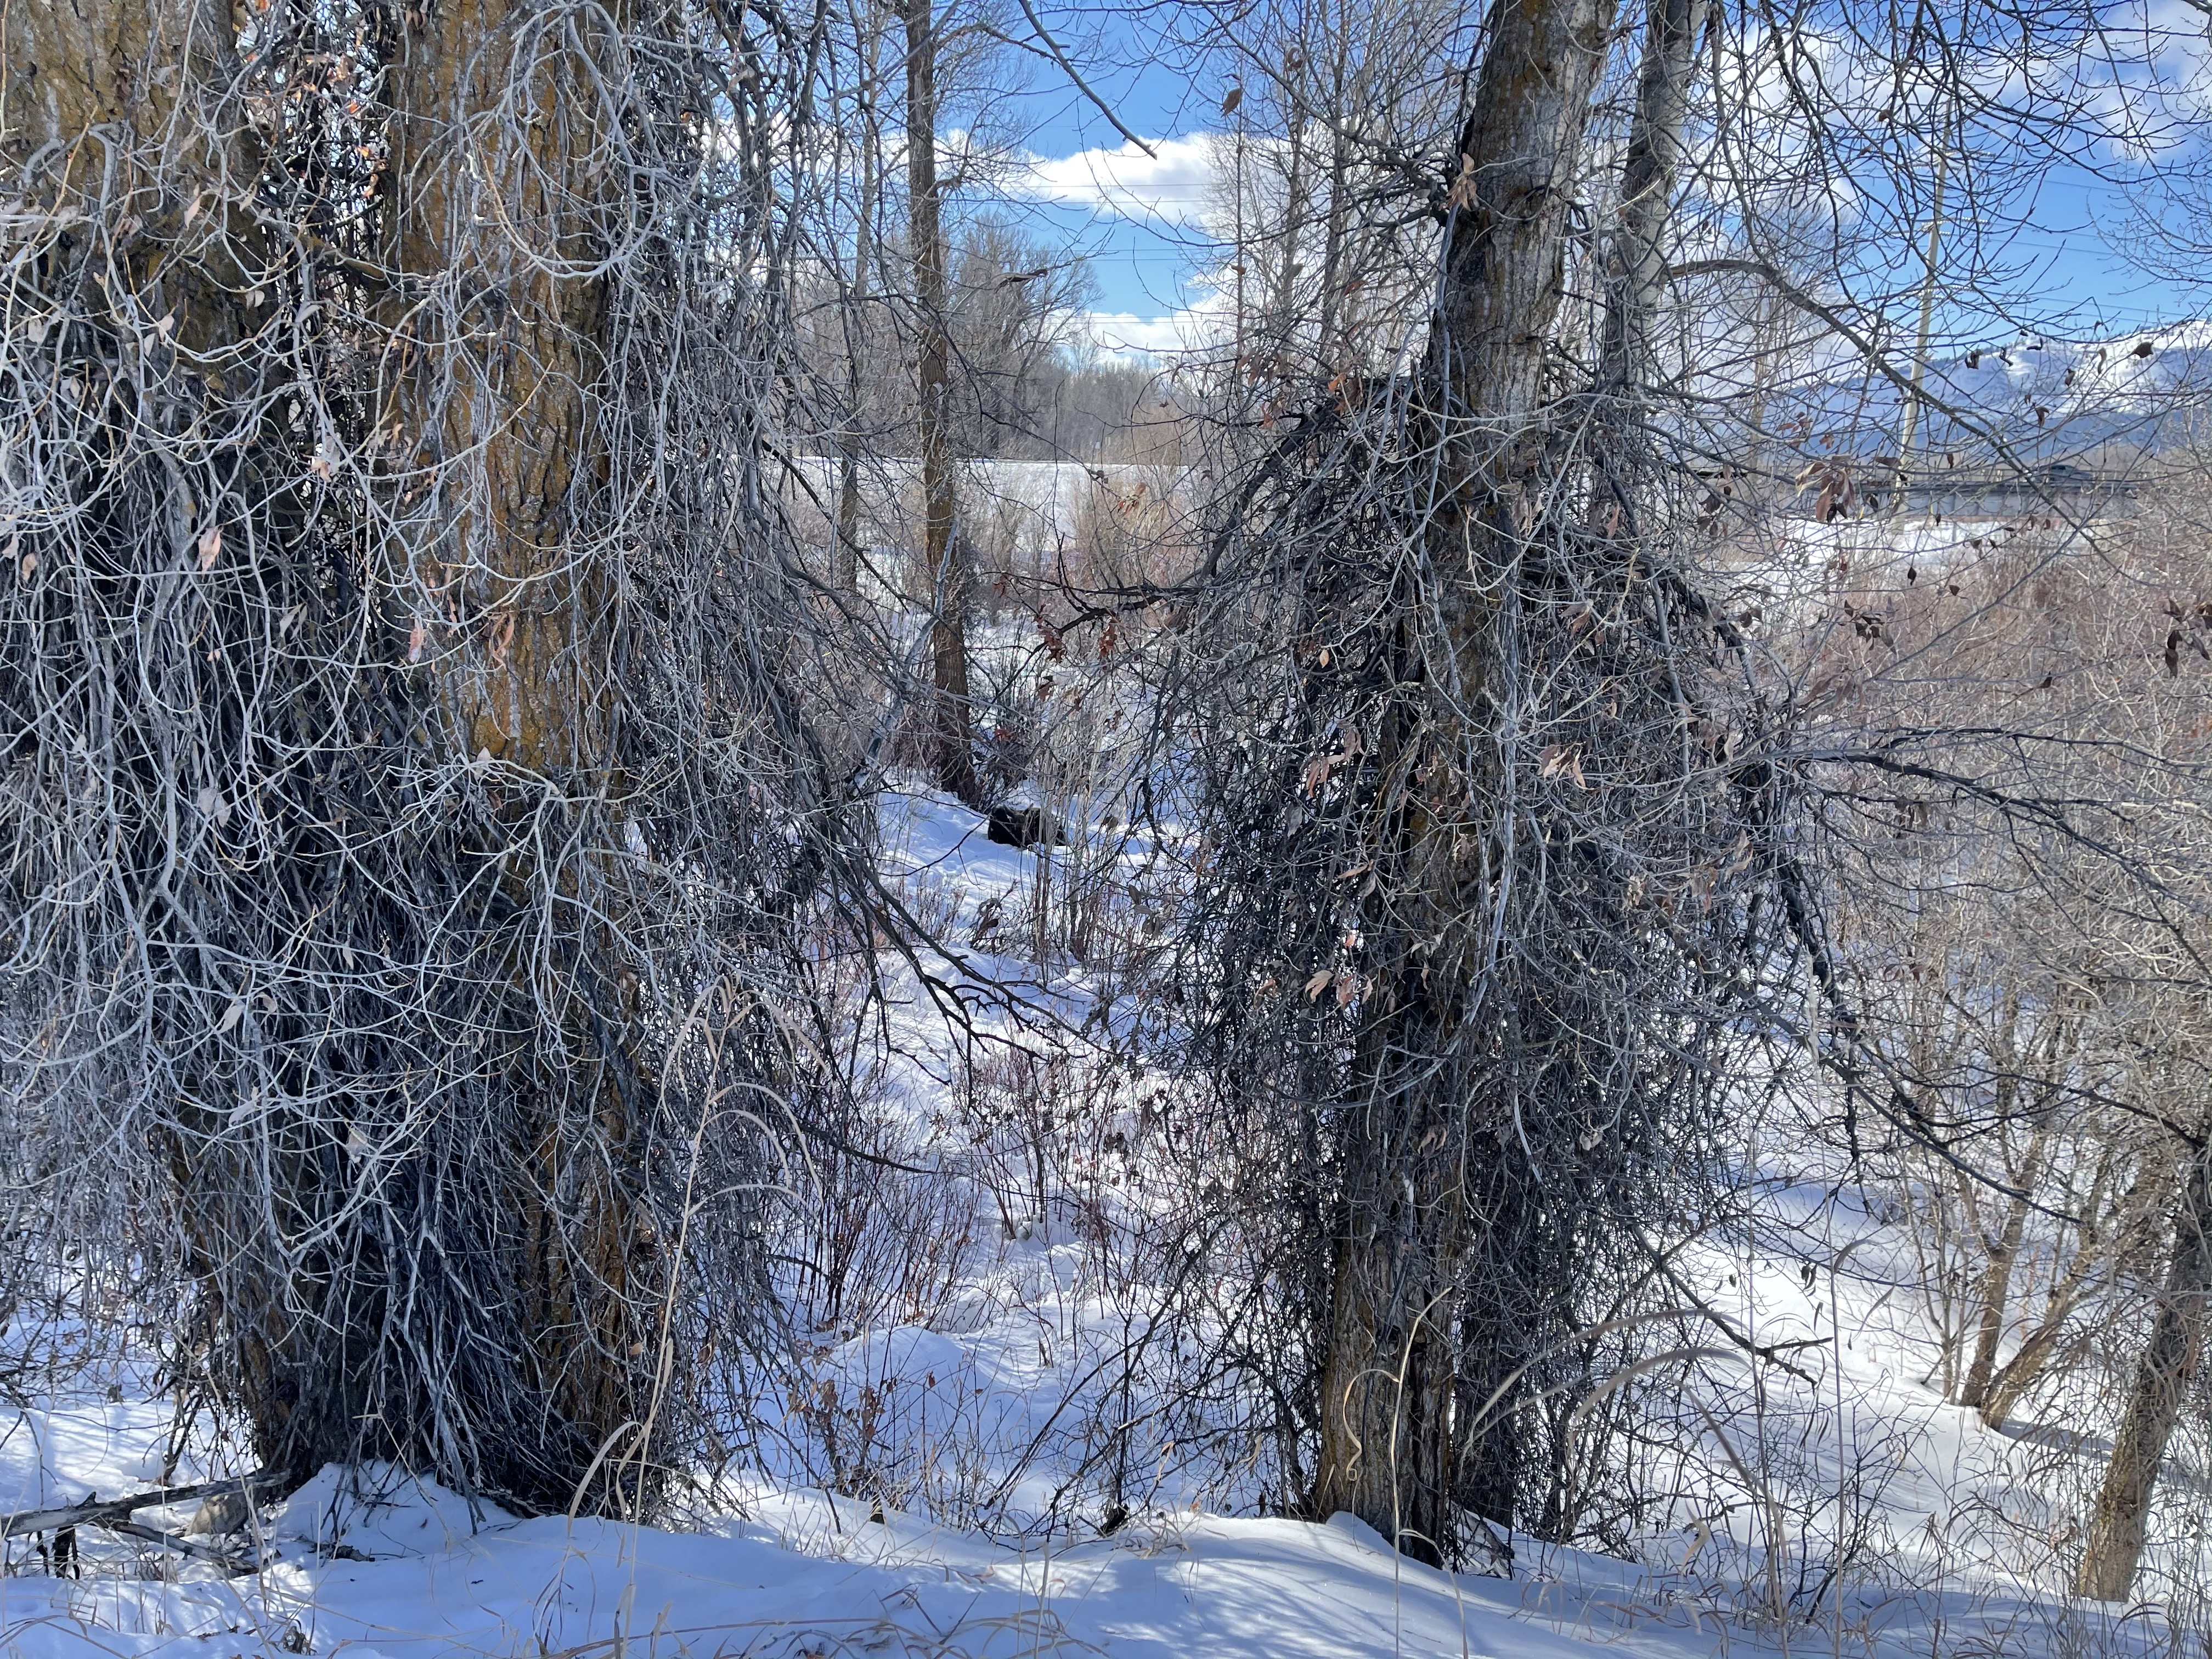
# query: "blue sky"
(1143, 251)
(1145, 254)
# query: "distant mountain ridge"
(2031, 399)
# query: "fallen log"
(113, 1514)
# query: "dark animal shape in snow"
(1025, 826)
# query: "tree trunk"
(856, 311)
(495, 417)
(156, 86)
(2094, 1251)
(1996, 1276)
(1995, 1302)
(1410, 1133)
(2013, 1379)
(315, 662)
(502, 211)
(951, 717)
(1635, 263)
(2117, 1530)
(1999, 1251)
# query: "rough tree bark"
(154, 88)
(502, 210)
(1416, 1146)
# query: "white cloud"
(1123, 333)
(1176, 183)
(1193, 328)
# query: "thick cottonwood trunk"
(950, 718)
(1416, 1125)
(502, 211)
(2117, 1529)
(320, 656)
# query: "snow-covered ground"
(986, 1395)
(409, 1570)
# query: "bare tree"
(950, 719)
(1387, 1450)
(2020, 875)
(855, 312)
(1463, 872)
(1637, 254)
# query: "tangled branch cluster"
(1485, 905)
(413, 830)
